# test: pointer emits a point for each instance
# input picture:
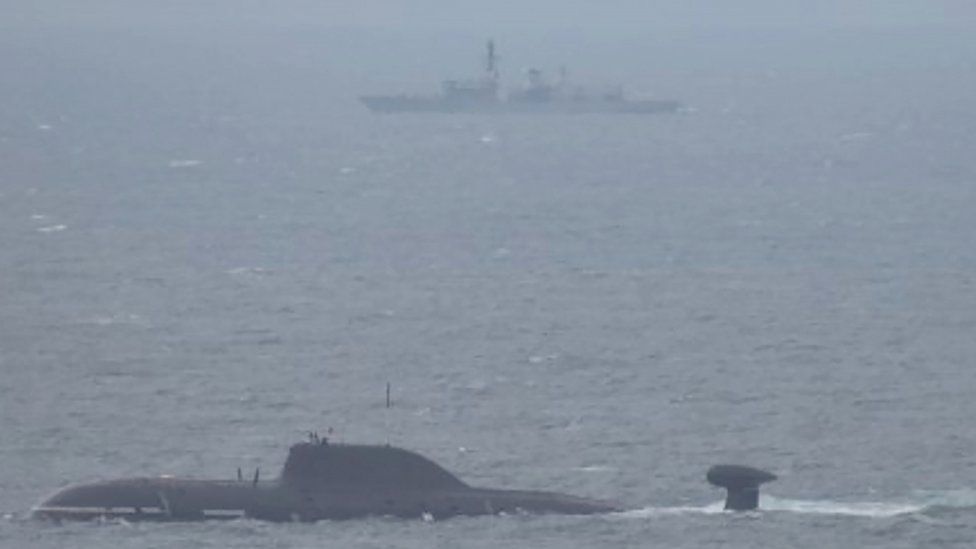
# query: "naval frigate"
(538, 95)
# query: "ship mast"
(490, 65)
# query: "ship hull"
(421, 104)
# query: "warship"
(538, 95)
(326, 481)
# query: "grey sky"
(476, 15)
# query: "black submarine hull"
(319, 482)
(167, 500)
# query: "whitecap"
(594, 469)
(117, 319)
(256, 271)
(187, 163)
(52, 229)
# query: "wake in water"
(868, 509)
(924, 502)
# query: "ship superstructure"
(537, 95)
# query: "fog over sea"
(208, 247)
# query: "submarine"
(326, 481)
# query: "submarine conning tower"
(356, 466)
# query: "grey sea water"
(208, 248)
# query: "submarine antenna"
(490, 60)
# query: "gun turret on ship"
(537, 95)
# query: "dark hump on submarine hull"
(365, 467)
(395, 481)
